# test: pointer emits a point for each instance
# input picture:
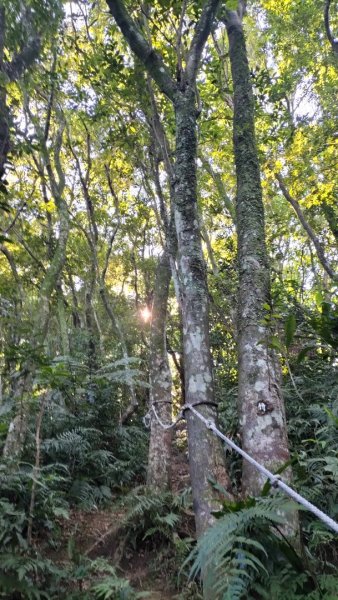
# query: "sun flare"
(145, 314)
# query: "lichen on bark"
(206, 455)
(159, 456)
(261, 404)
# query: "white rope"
(275, 480)
(147, 417)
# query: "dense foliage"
(85, 201)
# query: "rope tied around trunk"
(147, 418)
(275, 480)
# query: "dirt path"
(99, 533)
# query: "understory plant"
(245, 555)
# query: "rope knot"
(146, 420)
(274, 480)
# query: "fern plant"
(32, 577)
(111, 586)
(151, 515)
(245, 554)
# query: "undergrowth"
(89, 462)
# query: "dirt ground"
(99, 533)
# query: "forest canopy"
(168, 259)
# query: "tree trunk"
(18, 428)
(4, 114)
(16, 436)
(307, 227)
(10, 71)
(262, 414)
(206, 456)
(63, 326)
(159, 457)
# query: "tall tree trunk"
(206, 456)
(4, 114)
(159, 457)
(262, 414)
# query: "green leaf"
(4, 238)
(232, 4)
(290, 328)
(275, 343)
(304, 351)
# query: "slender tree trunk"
(159, 457)
(52, 275)
(62, 319)
(4, 115)
(206, 456)
(263, 424)
(17, 431)
(36, 468)
(307, 227)
(133, 404)
(10, 71)
(90, 326)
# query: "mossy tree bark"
(159, 457)
(206, 456)
(263, 424)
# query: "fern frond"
(228, 556)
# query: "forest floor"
(99, 533)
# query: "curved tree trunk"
(159, 458)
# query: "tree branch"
(23, 59)
(152, 61)
(202, 30)
(217, 178)
(12, 265)
(179, 32)
(312, 236)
